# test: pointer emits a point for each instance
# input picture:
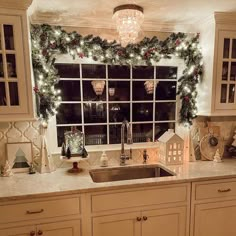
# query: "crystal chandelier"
(128, 19)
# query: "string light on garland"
(50, 41)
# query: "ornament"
(213, 141)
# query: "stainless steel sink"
(128, 173)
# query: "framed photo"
(19, 156)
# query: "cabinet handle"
(224, 190)
(145, 218)
(40, 232)
(34, 212)
(139, 218)
(32, 233)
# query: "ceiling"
(165, 15)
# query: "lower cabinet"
(65, 228)
(166, 222)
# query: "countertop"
(23, 186)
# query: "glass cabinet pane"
(118, 72)
(223, 93)
(142, 111)
(234, 49)
(93, 71)
(13, 91)
(165, 111)
(1, 67)
(225, 69)
(143, 90)
(166, 72)
(68, 70)
(94, 90)
(9, 37)
(119, 91)
(69, 114)
(161, 128)
(142, 133)
(11, 66)
(143, 72)
(119, 112)
(95, 134)
(95, 112)
(70, 90)
(226, 48)
(233, 71)
(115, 134)
(231, 93)
(3, 99)
(166, 91)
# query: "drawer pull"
(145, 218)
(224, 190)
(40, 232)
(139, 218)
(34, 212)
(32, 233)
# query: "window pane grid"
(113, 109)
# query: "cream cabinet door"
(128, 224)
(65, 228)
(19, 231)
(216, 219)
(165, 222)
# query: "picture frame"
(19, 156)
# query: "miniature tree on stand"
(232, 148)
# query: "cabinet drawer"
(139, 197)
(215, 189)
(38, 210)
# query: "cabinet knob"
(139, 218)
(32, 233)
(145, 218)
(224, 190)
(40, 232)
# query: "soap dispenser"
(104, 160)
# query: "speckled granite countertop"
(22, 186)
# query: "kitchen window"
(96, 98)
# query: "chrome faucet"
(124, 157)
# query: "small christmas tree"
(217, 157)
(232, 148)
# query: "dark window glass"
(165, 111)
(225, 69)
(69, 114)
(223, 93)
(119, 91)
(143, 91)
(1, 67)
(93, 71)
(13, 90)
(95, 134)
(233, 71)
(89, 91)
(161, 128)
(3, 100)
(70, 90)
(142, 133)
(166, 72)
(61, 131)
(9, 38)
(231, 93)
(143, 72)
(119, 112)
(142, 111)
(166, 91)
(234, 49)
(118, 72)
(68, 70)
(115, 134)
(226, 48)
(11, 66)
(95, 112)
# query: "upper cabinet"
(217, 91)
(16, 101)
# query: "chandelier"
(128, 19)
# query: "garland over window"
(49, 41)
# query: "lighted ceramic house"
(171, 148)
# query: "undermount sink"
(128, 173)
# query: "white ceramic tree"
(217, 157)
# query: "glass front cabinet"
(15, 77)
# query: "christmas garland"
(49, 41)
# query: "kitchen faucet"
(124, 157)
